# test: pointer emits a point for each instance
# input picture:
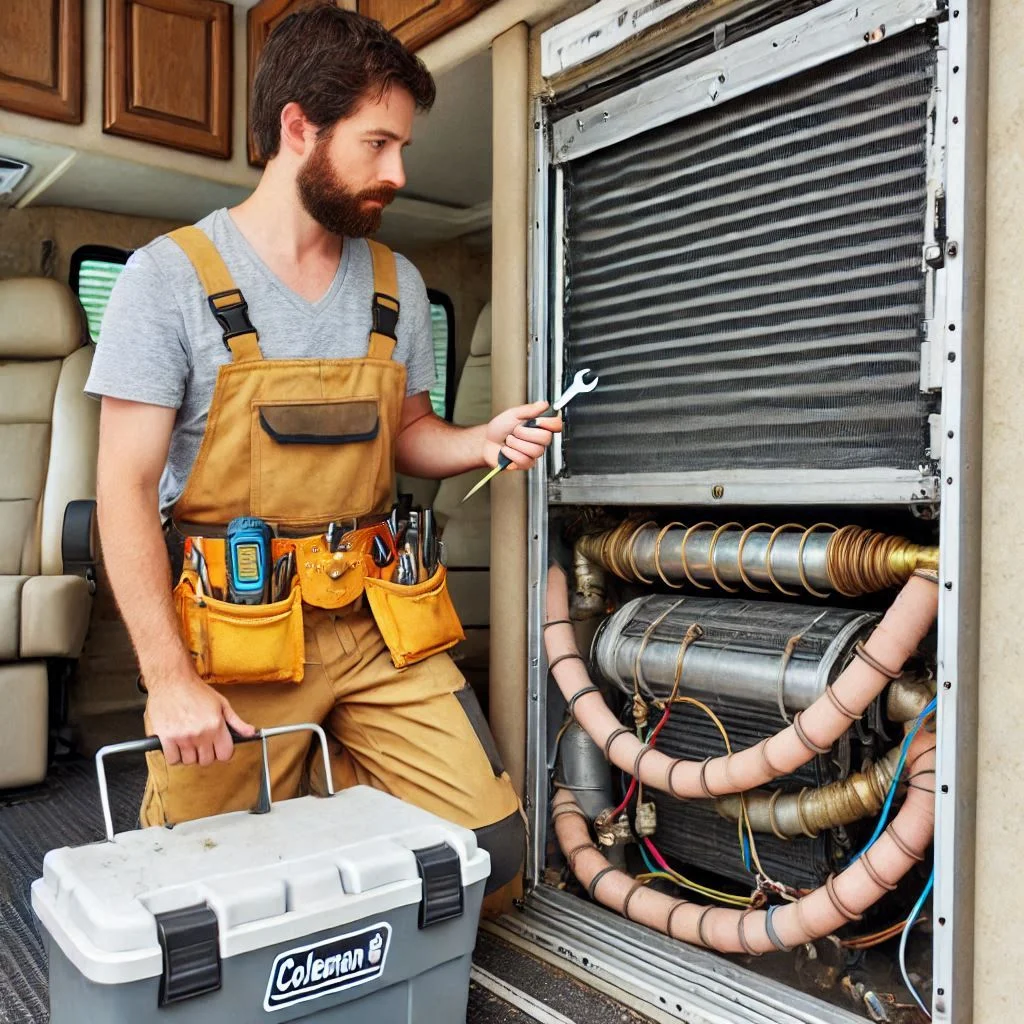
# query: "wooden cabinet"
(416, 22)
(168, 73)
(41, 58)
(263, 19)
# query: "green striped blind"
(439, 332)
(95, 282)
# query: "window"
(442, 323)
(94, 270)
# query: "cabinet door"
(263, 19)
(168, 73)
(416, 22)
(41, 58)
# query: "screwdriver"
(579, 385)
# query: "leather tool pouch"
(415, 621)
(234, 643)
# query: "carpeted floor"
(64, 811)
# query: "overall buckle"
(233, 317)
(385, 317)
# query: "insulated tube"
(813, 730)
(842, 899)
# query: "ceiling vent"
(11, 172)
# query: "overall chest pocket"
(314, 459)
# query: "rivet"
(718, 491)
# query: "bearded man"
(273, 362)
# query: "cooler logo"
(310, 972)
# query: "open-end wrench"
(578, 386)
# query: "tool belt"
(240, 643)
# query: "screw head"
(718, 491)
(952, 249)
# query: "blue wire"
(651, 866)
(903, 943)
(884, 816)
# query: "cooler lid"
(310, 864)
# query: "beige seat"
(466, 529)
(48, 444)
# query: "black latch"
(189, 940)
(385, 316)
(441, 870)
(233, 317)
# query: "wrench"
(579, 385)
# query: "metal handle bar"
(263, 802)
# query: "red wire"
(632, 786)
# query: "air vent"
(748, 281)
(11, 173)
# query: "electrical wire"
(897, 774)
(911, 921)
(875, 938)
(681, 880)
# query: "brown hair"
(328, 60)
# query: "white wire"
(903, 943)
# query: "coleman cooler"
(356, 907)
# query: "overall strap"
(383, 333)
(226, 302)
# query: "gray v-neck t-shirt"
(161, 345)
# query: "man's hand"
(191, 719)
(508, 434)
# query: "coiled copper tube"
(791, 558)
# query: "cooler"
(351, 908)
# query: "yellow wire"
(703, 890)
(744, 818)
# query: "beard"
(332, 204)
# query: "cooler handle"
(263, 801)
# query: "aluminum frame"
(536, 775)
(682, 982)
(603, 943)
(963, 36)
(799, 44)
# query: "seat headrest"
(39, 319)
(480, 345)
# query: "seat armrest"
(78, 540)
(54, 616)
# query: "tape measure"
(248, 560)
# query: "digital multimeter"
(248, 560)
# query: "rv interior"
(738, 215)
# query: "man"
(195, 387)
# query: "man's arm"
(432, 448)
(190, 718)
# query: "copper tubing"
(842, 899)
(811, 811)
(818, 560)
(817, 727)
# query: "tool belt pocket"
(416, 621)
(236, 643)
(337, 439)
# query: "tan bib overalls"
(301, 443)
